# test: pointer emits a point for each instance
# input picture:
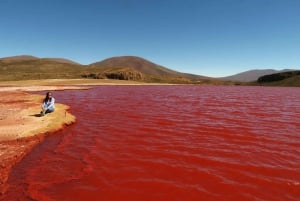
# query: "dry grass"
(31, 68)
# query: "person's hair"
(47, 98)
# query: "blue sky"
(206, 37)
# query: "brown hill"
(22, 58)
(139, 64)
(17, 58)
(252, 75)
(29, 67)
(62, 60)
(290, 78)
(142, 69)
(122, 68)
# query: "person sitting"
(48, 104)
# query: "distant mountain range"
(252, 75)
(124, 68)
(288, 78)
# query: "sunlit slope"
(143, 69)
(28, 67)
(291, 78)
(121, 68)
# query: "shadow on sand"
(36, 115)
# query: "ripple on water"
(169, 143)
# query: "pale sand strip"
(38, 88)
(19, 116)
(19, 110)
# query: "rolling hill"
(136, 63)
(17, 58)
(143, 69)
(124, 68)
(29, 67)
(134, 68)
(251, 75)
(290, 78)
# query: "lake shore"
(21, 126)
(20, 109)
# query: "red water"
(168, 143)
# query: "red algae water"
(168, 143)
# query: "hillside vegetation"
(23, 68)
(291, 78)
(252, 75)
(120, 68)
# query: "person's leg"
(43, 112)
(49, 110)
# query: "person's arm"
(51, 105)
(44, 105)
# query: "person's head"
(48, 95)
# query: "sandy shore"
(21, 126)
(20, 117)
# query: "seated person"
(48, 104)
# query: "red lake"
(168, 143)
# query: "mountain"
(21, 58)
(251, 75)
(140, 69)
(17, 58)
(290, 78)
(139, 64)
(30, 67)
(123, 68)
(62, 60)
(26, 67)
